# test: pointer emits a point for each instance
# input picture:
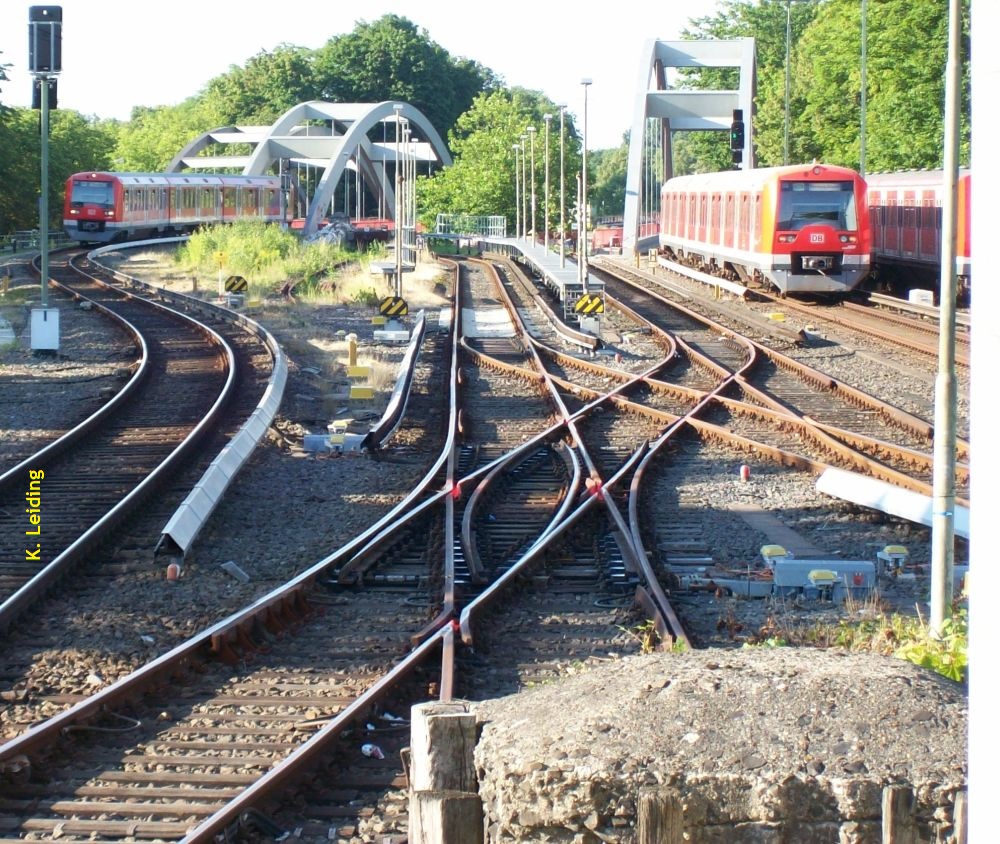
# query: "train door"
(876, 218)
(930, 228)
(890, 236)
(908, 225)
(730, 221)
(715, 224)
(743, 241)
(228, 204)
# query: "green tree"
(907, 49)
(606, 171)
(269, 85)
(765, 21)
(153, 136)
(907, 52)
(75, 143)
(392, 59)
(482, 179)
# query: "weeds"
(645, 634)
(869, 627)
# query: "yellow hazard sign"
(393, 306)
(236, 284)
(589, 303)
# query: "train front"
(821, 240)
(92, 211)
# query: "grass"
(869, 627)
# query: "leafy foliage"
(249, 246)
(269, 85)
(392, 59)
(906, 53)
(75, 143)
(482, 179)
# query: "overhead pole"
(945, 391)
(862, 163)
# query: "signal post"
(44, 64)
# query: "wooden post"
(445, 817)
(445, 807)
(442, 741)
(661, 817)
(960, 818)
(897, 815)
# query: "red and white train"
(796, 229)
(905, 218)
(109, 207)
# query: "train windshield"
(93, 193)
(810, 203)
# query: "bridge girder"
(684, 110)
(338, 144)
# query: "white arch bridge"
(331, 140)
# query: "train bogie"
(796, 229)
(109, 207)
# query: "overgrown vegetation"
(268, 256)
(274, 260)
(869, 628)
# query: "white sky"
(121, 53)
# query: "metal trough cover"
(794, 574)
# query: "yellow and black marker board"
(589, 304)
(236, 284)
(393, 306)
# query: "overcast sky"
(121, 53)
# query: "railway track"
(833, 422)
(289, 717)
(80, 487)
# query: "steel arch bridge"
(660, 109)
(333, 137)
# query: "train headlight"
(786, 238)
(848, 238)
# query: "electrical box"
(45, 329)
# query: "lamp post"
(562, 185)
(864, 84)
(531, 132)
(788, 71)
(586, 82)
(524, 186)
(788, 75)
(548, 120)
(517, 191)
(397, 228)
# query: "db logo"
(816, 237)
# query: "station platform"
(564, 281)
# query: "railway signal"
(44, 63)
(737, 136)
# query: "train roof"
(160, 179)
(757, 177)
(912, 178)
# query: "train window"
(92, 193)
(804, 204)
